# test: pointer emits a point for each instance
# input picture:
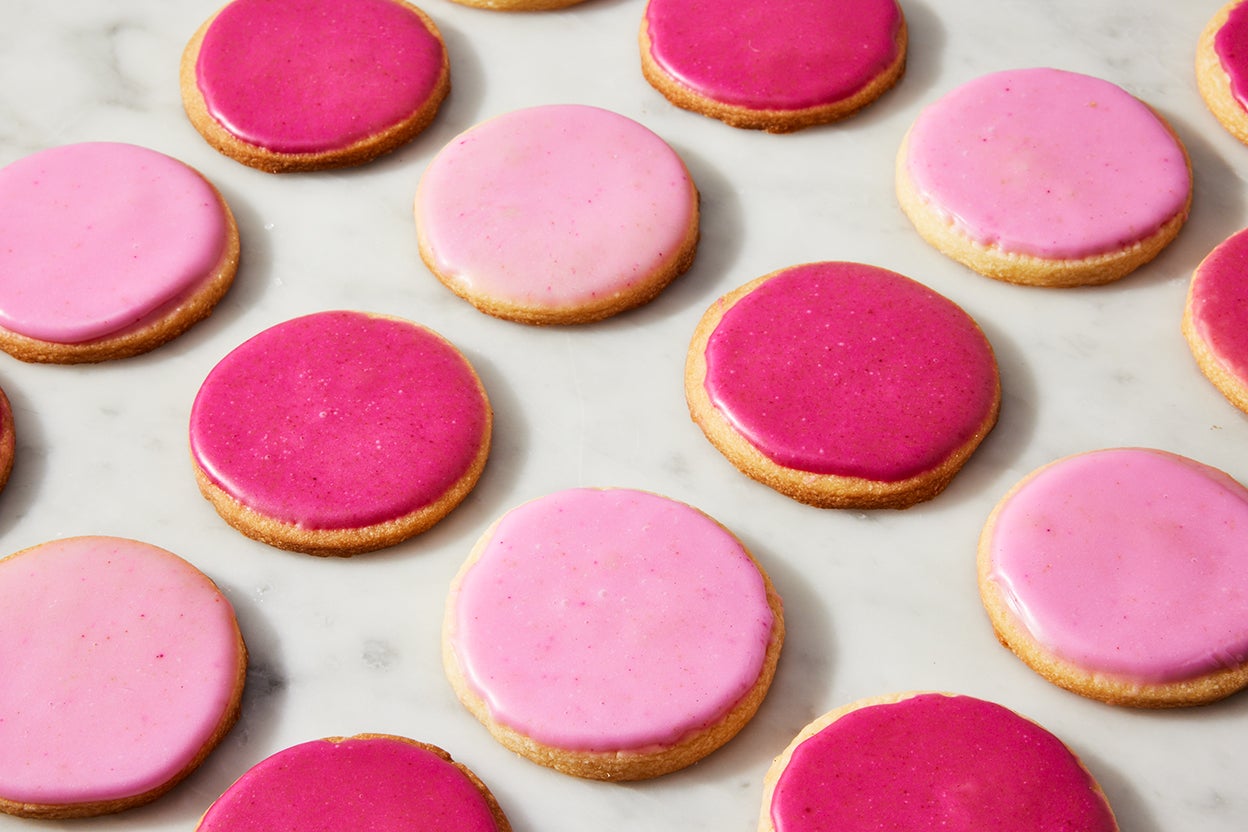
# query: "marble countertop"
(876, 601)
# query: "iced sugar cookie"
(369, 781)
(929, 761)
(1215, 318)
(123, 668)
(1222, 67)
(339, 432)
(1122, 575)
(611, 634)
(107, 250)
(842, 385)
(773, 66)
(519, 5)
(8, 439)
(296, 85)
(1044, 177)
(557, 214)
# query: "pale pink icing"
(1048, 163)
(1219, 304)
(98, 237)
(603, 620)
(310, 76)
(120, 661)
(339, 420)
(851, 370)
(1128, 561)
(374, 782)
(1231, 46)
(936, 762)
(554, 206)
(763, 54)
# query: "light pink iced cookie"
(107, 250)
(1044, 177)
(557, 214)
(611, 634)
(1222, 67)
(369, 781)
(123, 668)
(842, 385)
(1215, 318)
(339, 432)
(929, 761)
(294, 85)
(1122, 575)
(775, 66)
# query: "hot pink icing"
(554, 206)
(765, 55)
(1231, 46)
(603, 620)
(851, 370)
(1219, 303)
(1128, 561)
(936, 762)
(339, 420)
(373, 782)
(120, 661)
(310, 76)
(99, 237)
(1048, 163)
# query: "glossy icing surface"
(602, 620)
(99, 237)
(311, 76)
(762, 54)
(1231, 46)
(936, 762)
(339, 420)
(354, 783)
(120, 660)
(1219, 303)
(1047, 163)
(852, 370)
(554, 206)
(1147, 578)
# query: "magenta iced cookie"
(1222, 67)
(1215, 318)
(842, 385)
(339, 432)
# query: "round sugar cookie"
(8, 439)
(929, 761)
(774, 66)
(339, 432)
(1215, 318)
(518, 5)
(107, 250)
(842, 385)
(557, 214)
(123, 668)
(611, 634)
(1122, 575)
(1044, 177)
(298, 85)
(368, 781)
(1222, 67)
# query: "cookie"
(1117, 574)
(8, 440)
(611, 634)
(1215, 318)
(773, 66)
(368, 781)
(558, 214)
(518, 5)
(120, 693)
(107, 250)
(929, 761)
(1044, 177)
(339, 432)
(842, 385)
(298, 85)
(1222, 67)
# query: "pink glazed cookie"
(110, 701)
(339, 432)
(775, 66)
(556, 215)
(611, 634)
(929, 761)
(1222, 67)
(842, 385)
(296, 85)
(107, 250)
(1044, 177)
(1215, 318)
(1122, 575)
(369, 781)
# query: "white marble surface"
(876, 602)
